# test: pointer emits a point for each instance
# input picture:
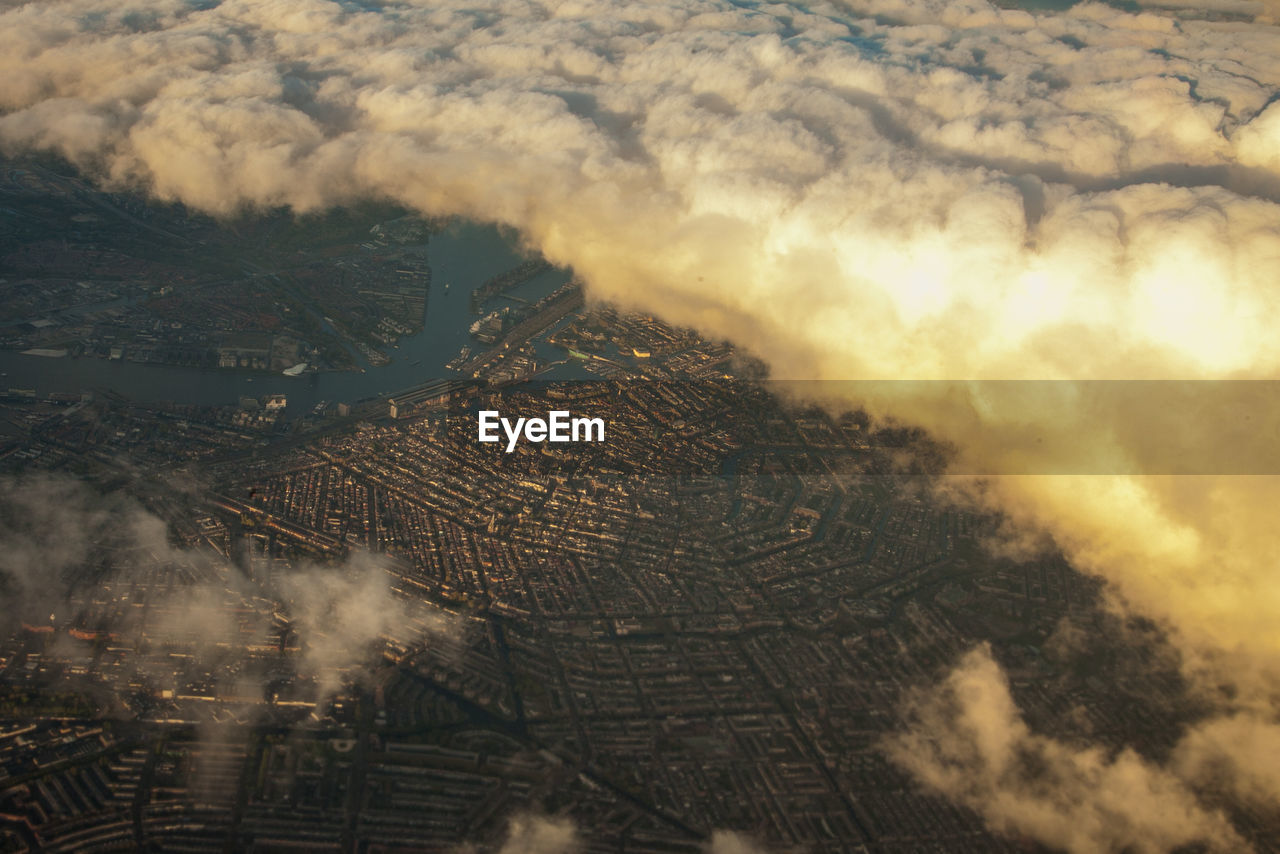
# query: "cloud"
(854, 189)
(104, 563)
(49, 527)
(967, 741)
(1239, 753)
(529, 833)
(533, 834)
(969, 192)
(342, 612)
(730, 842)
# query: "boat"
(459, 360)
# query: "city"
(707, 622)
(686, 426)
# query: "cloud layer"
(969, 742)
(971, 189)
(886, 189)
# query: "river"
(463, 256)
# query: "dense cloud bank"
(892, 189)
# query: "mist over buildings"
(71, 558)
(887, 190)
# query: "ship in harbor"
(459, 360)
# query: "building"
(434, 393)
(246, 350)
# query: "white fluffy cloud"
(972, 189)
(531, 834)
(969, 742)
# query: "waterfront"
(462, 256)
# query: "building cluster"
(99, 275)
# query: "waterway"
(463, 256)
